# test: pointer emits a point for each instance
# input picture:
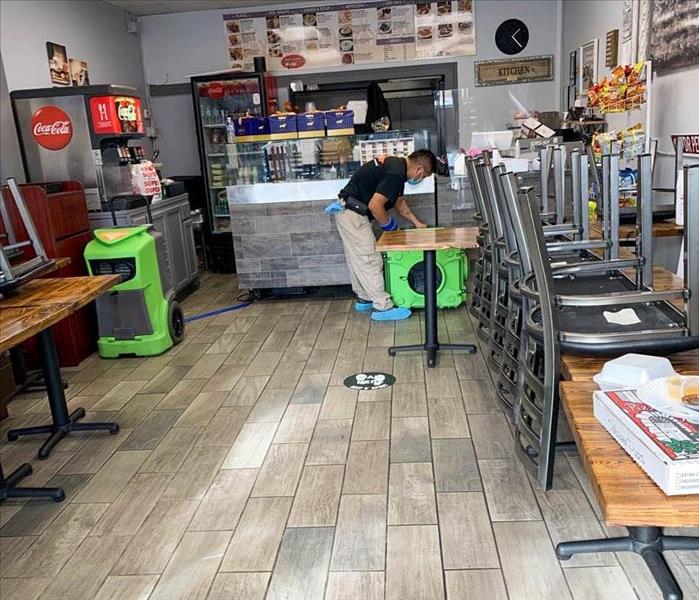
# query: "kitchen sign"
(343, 34)
(514, 70)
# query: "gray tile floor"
(245, 470)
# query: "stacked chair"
(545, 271)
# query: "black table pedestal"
(62, 422)
(431, 345)
(8, 489)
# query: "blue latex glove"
(334, 208)
(391, 225)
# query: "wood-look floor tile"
(117, 397)
(479, 397)
(127, 587)
(193, 566)
(263, 364)
(318, 497)
(190, 354)
(83, 574)
(407, 368)
(271, 406)
(447, 418)
(96, 451)
(321, 360)
(507, 490)
(239, 586)
(339, 403)
(599, 582)
(23, 588)
(277, 341)
(201, 410)
(225, 500)
(171, 451)
(475, 583)
(372, 421)
(378, 359)
(54, 547)
(281, 470)
(286, 375)
(410, 440)
(491, 436)
(413, 563)
(467, 537)
(224, 426)
(182, 394)
(310, 388)
(193, 478)
(166, 379)
(442, 383)
(297, 424)
(243, 354)
(147, 370)
(367, 468)
(409, 399)
(150, 549)
(360, 535)
(584, 482)
(11, 548)
(224, 343)
(250, 447)
(137, 409)
(355, 585)
(257, 537)
(302, 566)
(34, 516)
(106, 485)
(126, 514)
(106, 382)
(529, 562)
(151, 430)
(246, 391)
(298, 350)
(225, 379)
(330, 442)
(411, 494)
(206, 366)
(455, 466)
(470, 366)
(569, 517)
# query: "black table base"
(650, 543)
(62, 422)
(431, 345)
(9, 490)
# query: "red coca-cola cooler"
(90, 134)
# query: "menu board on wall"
(378, 31)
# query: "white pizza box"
(665, 447)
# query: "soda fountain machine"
(92, 134)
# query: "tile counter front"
(282, 237)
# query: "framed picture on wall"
(587, 66)
(78, 72)
(58, 64)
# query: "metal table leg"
(431, 345)
(8, 489)
(62, 422)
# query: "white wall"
(92, 30)
(10, 158)
(674, 93)
(176, 46)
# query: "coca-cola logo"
(51, 128)
(216, 90)
(293, 61)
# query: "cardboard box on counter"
(339, 122)
(283, 127)
(310, 125)
(252, 129)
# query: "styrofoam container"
(631, 371)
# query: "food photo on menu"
(443, 8)
(464, 6)
(272, 22)
(310, 19)
(383, 14)
(344, 17)
(233, 26)
(465, 28)
(445, 30)
(423, 10)
(345, 31)
(385, 28)
(424, 32)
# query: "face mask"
(414, 181)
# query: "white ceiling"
(161, 7)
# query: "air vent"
(126, 267)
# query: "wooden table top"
(431, 238)
(18, 324)
(75, 292)
(582, 368)
(627, 496)
(627, 231)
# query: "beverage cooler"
(92, 134)
(220, 100)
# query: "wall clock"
(512, 36)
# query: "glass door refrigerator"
(220, 99)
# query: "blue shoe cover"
(392, 314)
(363, 306)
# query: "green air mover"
(139, 316)
(404, 276)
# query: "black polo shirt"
(386, 176)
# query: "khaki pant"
(364, 262)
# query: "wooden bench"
(626, 495)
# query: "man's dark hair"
(427, 159)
